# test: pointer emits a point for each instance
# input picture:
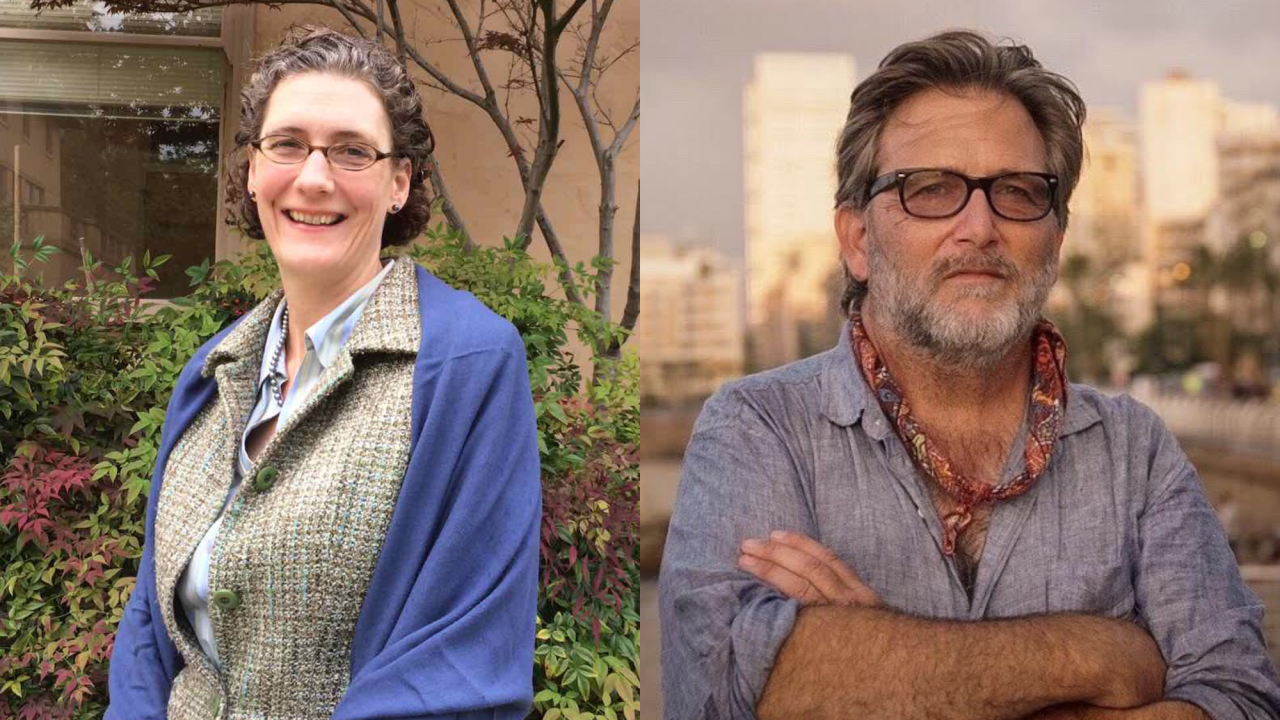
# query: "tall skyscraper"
(793, 110)
(1181, 119)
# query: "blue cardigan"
(438, 602)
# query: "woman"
(343, 518)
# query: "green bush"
(85, 375)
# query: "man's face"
(964, 288)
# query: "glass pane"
(93, 17)
(114, 180)
(111, 80)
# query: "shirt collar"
(327, 336)
(389, 323)
(849, 398)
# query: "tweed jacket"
(380, 559)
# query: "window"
(93, 18)
(130, 152)
(32, 194)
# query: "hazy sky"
(696, 57)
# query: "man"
(927, 521)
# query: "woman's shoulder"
(455, 322)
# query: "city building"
(1105, 222)
(794, 107)
(1181, 118)
(690, 337)
(1105, 227)
(116, 129)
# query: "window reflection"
(118, 154)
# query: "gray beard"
(914, 315)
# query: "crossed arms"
(1056, 666)
(739, 645)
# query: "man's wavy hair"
(308, 48)
(955, 60)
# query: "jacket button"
(226, 599)
(265, 478)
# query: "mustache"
(985, 263)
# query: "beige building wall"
(482, 180)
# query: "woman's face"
(297, 203)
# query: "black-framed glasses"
(289, 150)
(932, 193)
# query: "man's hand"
(803, 569)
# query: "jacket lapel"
(388, 324)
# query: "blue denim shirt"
(1118, 526)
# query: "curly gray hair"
(308, 48)
(956, 60)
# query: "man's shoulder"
(1116, 428)
(1112, 410)
(795, 387)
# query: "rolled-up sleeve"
(1207, 622)
(721, 628)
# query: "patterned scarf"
(1048, 404)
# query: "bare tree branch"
(350, 18)
(549, 136)
(472, 50)
(598, 17)
(394, 6)
(632, 311)
(450, 212)
(488, 103)
(620, 138)
(621, 54)
(557, 27)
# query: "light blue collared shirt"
(322, 340)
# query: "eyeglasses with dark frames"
(934, 194)
(289, 150)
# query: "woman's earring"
(395, 208)
(253, 195)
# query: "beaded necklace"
(276, 386)
(1047, 406)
